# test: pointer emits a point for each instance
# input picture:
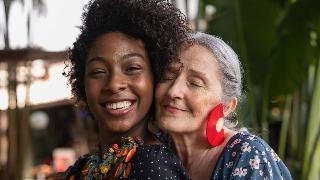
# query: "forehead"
(199, 58)
(116, 44)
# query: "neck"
(191, 149)
(195, 153)
(108, 138)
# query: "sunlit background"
(53, 29)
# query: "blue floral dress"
(247, 156)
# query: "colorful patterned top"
(152, 161)
(247, 156)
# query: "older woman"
(196, 100)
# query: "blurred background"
(42, 132)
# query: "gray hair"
(229, 67)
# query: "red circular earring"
(215, 137)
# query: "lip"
(172, 109)
(118, 112)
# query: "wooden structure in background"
(18, 133)
(9, 55)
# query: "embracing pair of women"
(137, 63)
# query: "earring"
(214, 120)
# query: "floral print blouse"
(247, 156)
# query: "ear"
(230, 107)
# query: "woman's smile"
(173, 109)
(119, 82)
(119, 108)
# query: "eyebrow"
(124, 57)
(98, 58)
(127, 56)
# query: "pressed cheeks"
(118, 82)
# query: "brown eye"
(133, 69)
(96, 73)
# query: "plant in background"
(278, 44)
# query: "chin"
(177, 127)
(167, 125)
(117, 127)
(120, 130)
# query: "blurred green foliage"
(278, 44)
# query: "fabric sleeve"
(156, 162)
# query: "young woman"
(195, 104)
(114, 69)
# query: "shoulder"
(245, 143)
(156, 161)
(248, 156)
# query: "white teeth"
(118, 105)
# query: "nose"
(116, 83)
(177, 89)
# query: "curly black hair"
(159, 24)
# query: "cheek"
(160, 92)
(209, 102)
(201, 104)
(92, 88)
(88, 88)
(144, 87)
